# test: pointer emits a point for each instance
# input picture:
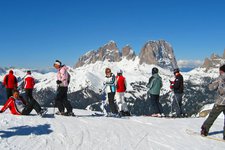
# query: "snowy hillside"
(100, 133)
(88, 79)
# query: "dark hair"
(222, 68)
(14, 91)
(176, 70)
(28, 72)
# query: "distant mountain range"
(88, 74)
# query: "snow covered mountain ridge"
(159, 53)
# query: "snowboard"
(192, 132)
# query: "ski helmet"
(155, 70)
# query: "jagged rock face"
(159, 53)
(215, 61)
(108, 52)
(154, 52)
(128, 53)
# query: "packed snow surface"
(87, 132)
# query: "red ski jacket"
(11, 104)
(10, 81)
(120, 84)
(29, 82)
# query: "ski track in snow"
(101, 133)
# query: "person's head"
(155, 70)
(16, 94)
(108, 72)
(222, 69)
(175, 71)
(10, 71)
(119, 72)
(29, 72)
(57, 64)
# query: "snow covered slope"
(100, 133)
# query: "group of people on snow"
(114, 87)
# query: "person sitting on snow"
(18, 106)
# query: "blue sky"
(33, 33)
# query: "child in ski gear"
(121, 86)
(155, 85)
(61, 100)
(10, 83)
(28, 85)
(18, 106)
(219, 106)
(110, 88)
(178, 88)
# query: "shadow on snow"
(26, 130)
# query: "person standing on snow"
(155, 85)
(10, 83)
(121, 86)
(110, 89)
(219, 105)
(178, 88)
(28, 85)
(18, 106)
(61, 100)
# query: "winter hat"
(120, 71)
(155, 70)
(176, 70)
(57, 62)
(222, 68)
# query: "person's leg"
(216, 110)
(119, 101)
(159, 106)
(27, 110)
(153, 105)
(224, 123)
(66, 103)
(124, 104)
(59, 100)
(177, 104)
(9, 92)
(112, 104)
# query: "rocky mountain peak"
(154, 52)
(215, 61)
(128, 52)
(159, 53)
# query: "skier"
(219, 106)
(10, 83)
(28, 85)
(155, 85)
(18, 106)
(121, 86)
(61, 100)
(110, 89)
(178, 88)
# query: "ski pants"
(9, 92)
(61, 101)
(177, 104)
(112, 104)
(122, 105)
(215, 112)
(155, 106)
(31, 102)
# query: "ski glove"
(1, 111)
(100, 90)
(58, 82)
